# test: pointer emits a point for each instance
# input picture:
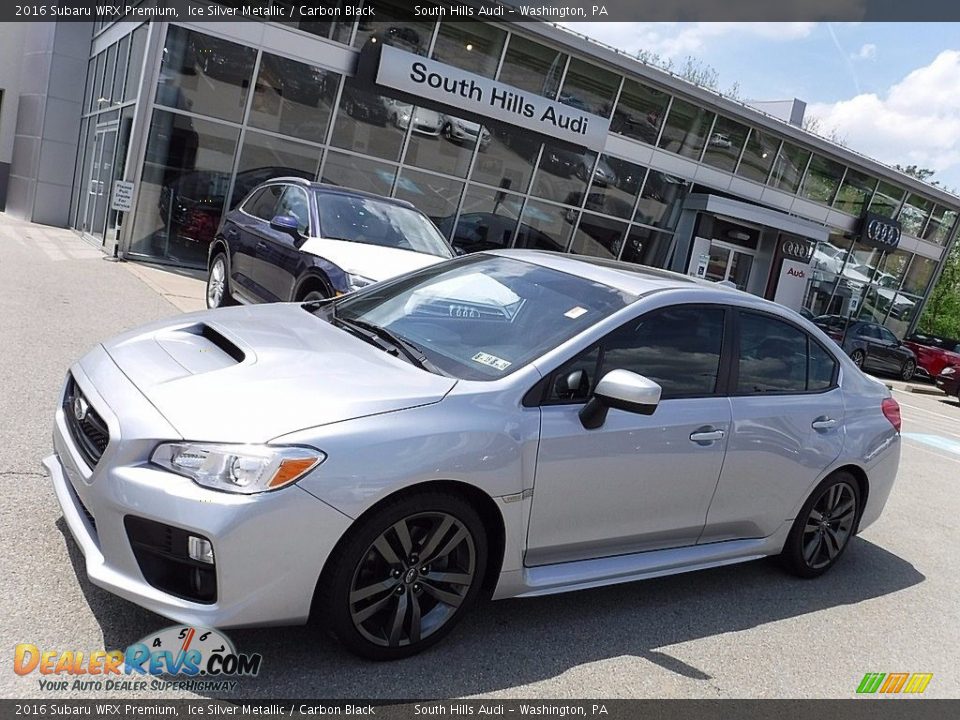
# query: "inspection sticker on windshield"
(491, 360)
(574, 313)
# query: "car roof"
(338, 190)
(627, 277)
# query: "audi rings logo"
(880, 232)
(797, 249)
(883, 233)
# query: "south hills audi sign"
(880, 232)
(429, 79)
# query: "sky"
(890, 90)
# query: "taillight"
(891, 411)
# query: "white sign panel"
(792, 284)
(430, 79)
(122, 198)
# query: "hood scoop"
(200, 348)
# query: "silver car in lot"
(512, 423)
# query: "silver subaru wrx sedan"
(517, 423)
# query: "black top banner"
(489, 10)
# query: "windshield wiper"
(377, 334)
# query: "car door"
(878, 355)
(787, 427)
(246, 232)
(896, 353)
(638, 482)
(278, 251)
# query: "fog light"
(200, 549)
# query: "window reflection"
(855, 192)
(293, 98)
(138, 45)
(886, 200)
(434, 196)
(531, 66)
(914, 213)
(788, 168)
(589, 88)
(613, 189)
(487, 221)
(686, 130)
(545, 227)
(919, 274)
(265, 157)
(452, 153)
(204, 74)
(509, 159)
(725, 143)
(183, 188)
(661, 200)
(640, 111)
(598, 236)
(393, 26)
(475, 47)
(941, 224)
(758, 156)
(358, 173)
(364, 123)
(647, 247)
(563, 173)
(822, 180)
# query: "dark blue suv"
(292, 239)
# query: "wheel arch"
(863, 485)
(218, 245)
(483, 503)
(310, 280)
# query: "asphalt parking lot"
(744, 631)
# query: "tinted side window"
(869, 331)
(886, 335)
(776, 357)
(821, 367)
(773, 356)
(264, 204)
(294, 202)
(677, 347)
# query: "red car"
(934, 353)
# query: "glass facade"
(223, 116)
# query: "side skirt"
(584, 574)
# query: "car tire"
(858, 357)
(218, 283)
(375, 597)
(314, 296)
(907, 370)
(823, 527)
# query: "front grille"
(88, 430)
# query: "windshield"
(482, 317)
(371, 221)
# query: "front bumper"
(269, 549)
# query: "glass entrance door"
(100, 181)
(729, 262)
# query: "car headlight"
(246, 469)
(358, 281)
(949, 371)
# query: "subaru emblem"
(80, 408)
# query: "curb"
(926, 390)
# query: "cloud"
(675, 40)
(917, 121)
(868, 51)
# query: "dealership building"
(140, 135)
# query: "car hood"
(372, 261)
(250, 374)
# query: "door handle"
(824, 423)
(261, 245)
(707, 435)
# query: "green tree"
(941, 314)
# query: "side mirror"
(623, 390)
(286, 223)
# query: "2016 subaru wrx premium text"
(514, 422)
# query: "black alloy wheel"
(823, 527)
(858, 358)
(907, 370)
(405, 577)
